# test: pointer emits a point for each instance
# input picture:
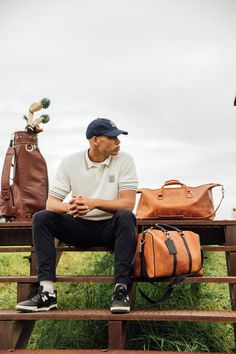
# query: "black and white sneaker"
(120, 300)
(38, 300)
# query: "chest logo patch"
(111, 179)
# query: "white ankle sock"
(47, 286)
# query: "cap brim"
(115, 132)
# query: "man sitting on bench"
(103, 183)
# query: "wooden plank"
(230, 237)
(26, 249)
(15, 334)
(6, 334)
(16, 224)
(103, 249)
(93, 351)
(106, 278)
(15, 237)
(143, 221)
(81, 249)
(136, 315)
(16, 249)
(211, 232)
(219, 248)
(20, 233)
(153, 221)
(117, 334)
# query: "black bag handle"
(166, 225)
(167, 292)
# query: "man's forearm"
(80, 205)
(111, 206)
(57, 206)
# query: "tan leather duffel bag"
(164, 253)
(161, 253)
(179, 202)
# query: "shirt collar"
(89, 163)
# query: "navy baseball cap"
(103, 126)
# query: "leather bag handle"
(172, 182)
(160, 226)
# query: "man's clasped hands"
(80, 205)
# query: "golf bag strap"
(5, 181)
(167, 292)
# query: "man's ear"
(94, 140)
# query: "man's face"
(108, 145)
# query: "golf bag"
(24, 183)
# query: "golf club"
(42, 119)
(29, 128)
(34, 107)
(34, 126)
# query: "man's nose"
(117, 141)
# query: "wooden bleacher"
(15, 328)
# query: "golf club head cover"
(45, 102)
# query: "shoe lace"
(35, 293)
(119, 294)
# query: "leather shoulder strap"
(5, 181)
(212, 185)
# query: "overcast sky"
(165, 70)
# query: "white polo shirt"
(79, 175)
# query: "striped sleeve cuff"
(128, 186)
(56, 194)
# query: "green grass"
(173, 336)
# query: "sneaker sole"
(120, 309)
(36, 309)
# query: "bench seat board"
(135, 315)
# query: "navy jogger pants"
(117, 233)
